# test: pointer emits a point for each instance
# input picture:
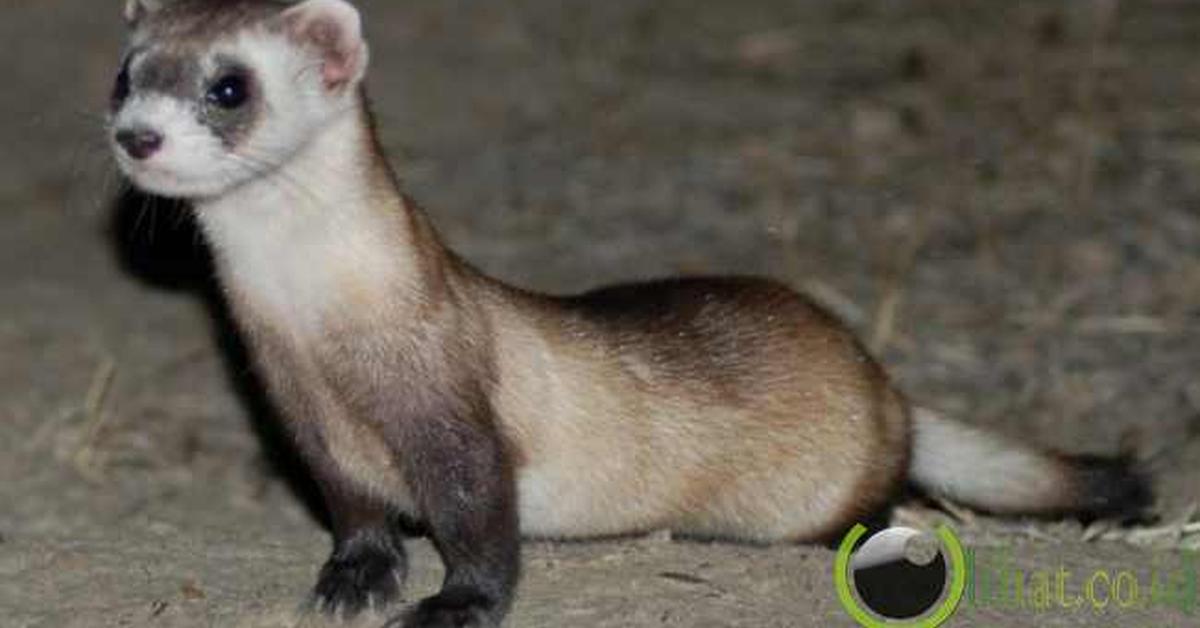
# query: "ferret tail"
(995, 474)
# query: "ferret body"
(415, 386)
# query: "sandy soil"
(1002, 197)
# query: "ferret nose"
(139, 143)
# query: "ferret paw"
(365, 572)
(456, 608)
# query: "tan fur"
(305, 395)
(362, 455)
(797, 439)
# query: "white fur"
(295, 243)
(982, 469)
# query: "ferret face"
(203, 105)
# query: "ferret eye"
(228, 92)
(121, 87)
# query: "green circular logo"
(900, 576)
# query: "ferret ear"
(334, 29)
(135, 10)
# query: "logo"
(900, 576)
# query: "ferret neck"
(332, 218)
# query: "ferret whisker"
(306, 71)
(270, 173)
(145, 208)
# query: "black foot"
(455, 608)
(364, 571)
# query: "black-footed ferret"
(415, 386)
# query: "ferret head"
(215, 93)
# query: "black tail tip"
(1113, 488)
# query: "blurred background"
(1003, 198)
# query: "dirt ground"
(1003, 198)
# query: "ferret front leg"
(462, 477)
(368, 565)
